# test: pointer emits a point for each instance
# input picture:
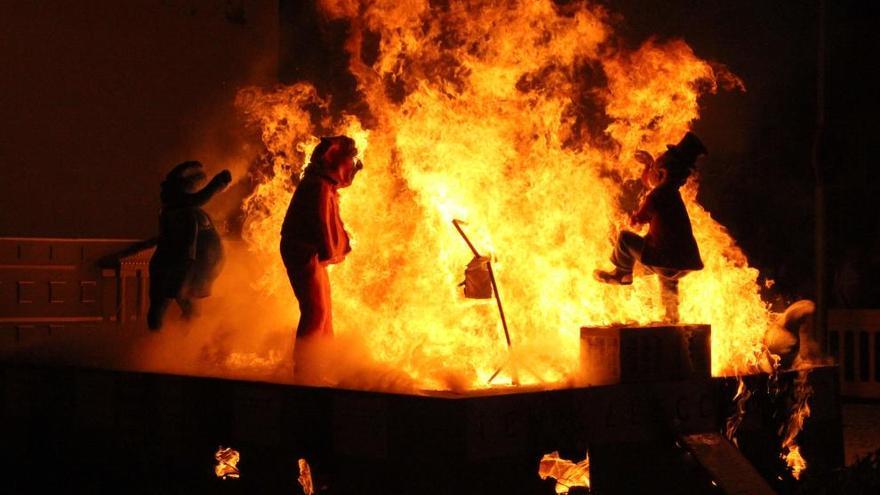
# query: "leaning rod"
(465, 237)
(491, 279)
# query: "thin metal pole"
(491, 279)
(498, 300)
(820, 169)
(463, 236)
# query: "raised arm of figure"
(217, 184)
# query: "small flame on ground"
(305, 477)
(253, 361)
(800, 411)
(227, 463)
(795, 461)
(566, 473)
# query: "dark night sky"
(100, 98)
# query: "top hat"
(688, 149)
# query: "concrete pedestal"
(637, 354)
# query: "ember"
(566, 473)
(305, 477)
(227, 463)
(474, 122)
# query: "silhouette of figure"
(189, 254)
(313, 236)
(669, 248)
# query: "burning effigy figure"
(669, 249)
(189, 253)
(313, 236)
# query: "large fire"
(520, 117)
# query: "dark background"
(98, 99)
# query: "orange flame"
(566, 473)
(227, 463)
(741, 399)
(305, 477)
(521, 118)
(800, 411)
(795, 461)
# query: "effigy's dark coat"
(670, 241)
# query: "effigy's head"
(680, 160)
(336, 156)
(183, 178)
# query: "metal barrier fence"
(51, 287)
(854, 341)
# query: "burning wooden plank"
(227, 463)
(305, 477)
(567, 474)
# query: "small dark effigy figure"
(189, 254)
(669, 248)
(313, 236)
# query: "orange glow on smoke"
(566, 473)
(482, 112)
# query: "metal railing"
(854, 341)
